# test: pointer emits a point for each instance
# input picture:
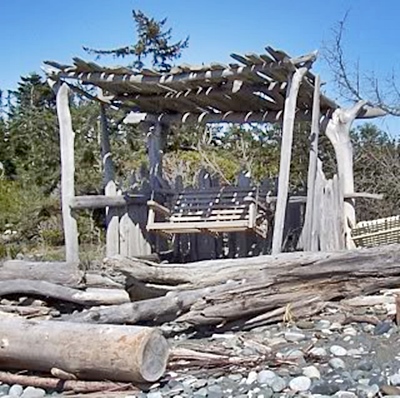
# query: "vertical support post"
(155, 145)
(156, 137)
(338, 132)
(67, 137)
(309, 241)
(286, 154)
(110, 189)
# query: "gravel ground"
(318, 358)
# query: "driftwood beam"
(102, 201)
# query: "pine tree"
(153, 44)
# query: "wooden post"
(338, 132)
(308, 241)
(155, 148)
(67, 137)
(112, 218)
(286, 154)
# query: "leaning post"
(67, 138)
(294, 82)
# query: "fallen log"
(87, 297)
(90, 352)
(256, 295)
(156, 310)
(290, 265)
(61, 273)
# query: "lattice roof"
(251, 89)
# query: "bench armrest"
(251, 199)
(158, 208)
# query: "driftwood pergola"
(260, 88)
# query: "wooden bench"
(214, 210)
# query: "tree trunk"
(338, 132)
(91, 352)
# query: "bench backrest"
(214, 204)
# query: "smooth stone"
(4, 389)
(295, 371)
(345, 394)
(294, 337)
(350, 331)
(338, 351)
(305, 325)
(395, 379)
(294, 354)
(354, 352)
(32, 392)
(382, 328)
(278, 384)
(318, 352)
(322, 324)
(301, 383)
(252, 377)
(265, 376)
(312, 372)
(336, 326)
(202, 392)
(364, 391)
(155, 394)
(265, 393)
(16, 390)
(324, 388)
(337, 363)
(214, 394)
(358, 374)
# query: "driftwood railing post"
(309, 239)
(156, 138)
(286, 153)
(67, 137)
(112, 218)
(338, 132)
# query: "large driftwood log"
(50, 290)
(62, 273)
(260, 289)
(91, 352)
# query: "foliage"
(376, 170)
(153, 42)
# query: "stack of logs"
(84, 327)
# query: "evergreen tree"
(153, 44)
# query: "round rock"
(337, 363)
(15, 390)
(278, 384)
(312, 372)
(301, 383)
(338, 351)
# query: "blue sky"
(34, 31)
